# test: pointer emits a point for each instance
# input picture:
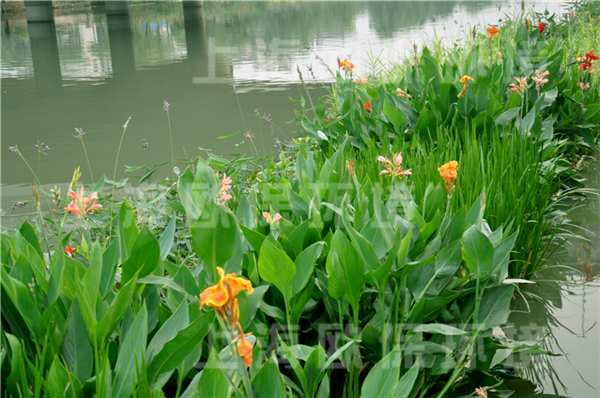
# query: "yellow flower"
(465, 79)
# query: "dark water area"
(219, 64)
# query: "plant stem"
(88, 162)
(171, 138)
(118, 153)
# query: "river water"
(218, 66)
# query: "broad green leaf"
(176, 322)
(478, 252)
(313, 369)
(212, 382)
(305, 264)
(276, 267)
(131, 353)
(76, 348)
(110, 258)
(212, 238)
(128, 230)
(184, 188)
(164, 281)
(55, 283)
(21, 298)
(298, 371)
(144, 257)
(406, 382)
(268, 382)
(382, 379)
(346, 270)
(115, 312)
(30, 236)
(20, 246)
(494, 308)
(438, 328)
(177, 349)
(166, 239)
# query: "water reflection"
(120, 37)
(563, 309)
(44, 52)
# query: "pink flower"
(539, 79)
(520, 88)
(500, 55)
(81, 205)
(395, 167)
(272, 220)
(582, 86)
(223, 195)
(362, 80)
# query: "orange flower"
(81, 205)
(222, 296)
(493, 31)
(449, 173)
(481, 392)
(214, 296)
(244, 347)
(368, 107)
(346, 65)
(465, 79)
(234, 284)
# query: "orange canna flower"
(214, 296)
(449, 173)
(493, 31)
(244, 347)
(368, 107)
(346, 65)
(465, 79)
(235, 284)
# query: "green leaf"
(128, 230)
(298, 371)
(177, 349)
(149, 174)
(305, 264)
(144, 257)
(313, 369)
(406, 382)
(164, 281)
(55, 283)
(382, 379)
(100, 184)
(212, 381)
(76, 348)
(438, 328)
(478, 252)
(346, 270)
(166, 239)
(21, 298)
(131, 353)
(495, 307)
(30, 236)
(167, 332)
(115, 312)
(276, 267)
(184, 188)
(110, 258)
(268, 382)
(212, 238)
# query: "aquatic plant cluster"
(377, 257)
